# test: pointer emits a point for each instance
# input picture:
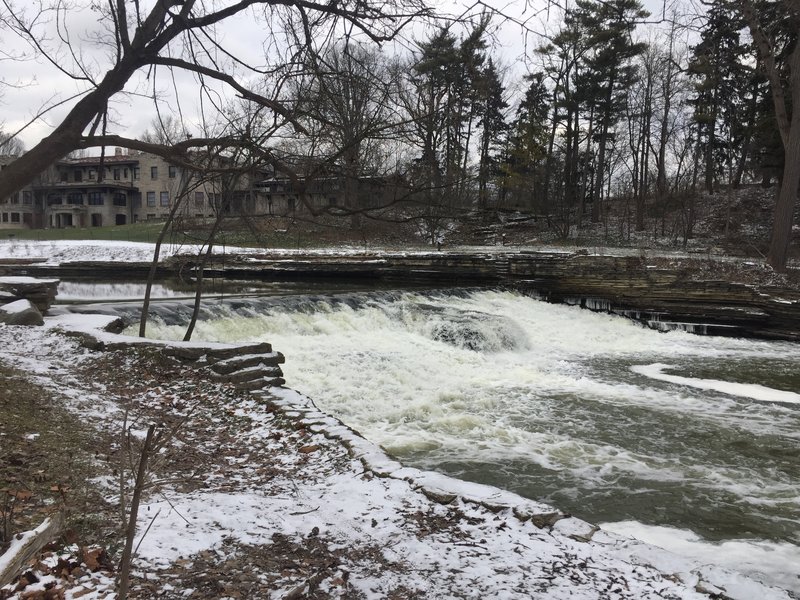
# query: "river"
(690, 442)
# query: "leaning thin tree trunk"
(130, 533)
(199, 278)
(151, 275)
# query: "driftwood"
(26, 545)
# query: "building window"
(95, 199)
(290, 203)
(15, 198)
(64, 176)
(332, 201)
(125, 173)
(173, 171)
(151, 217)
(164, 198)
(5, 217)
(153, 172)
(151, 199)
(15, 217)
(54, 199)
(27, 197)
(75, 198)
(120, 199)
(116, 174)
(92, 174)
(199, 197)
(136, 173)
(78, 175)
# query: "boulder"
(21, 312)
(41, 292)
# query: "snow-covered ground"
(66, 251)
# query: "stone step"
(229, 365)
(250, 374)
(218, 354)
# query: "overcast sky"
(32, 84)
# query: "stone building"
(97, 191)
(130, 187)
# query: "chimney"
(117, 151)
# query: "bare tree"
(347, 105)
(165, 130)
(10, 145)
(179, 38)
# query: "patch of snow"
(16, 307)
(745, 390)
(749, 557)
(25, 280)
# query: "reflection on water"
(555, 403)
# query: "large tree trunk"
(789, 130)
(787, 197)
(67, 135)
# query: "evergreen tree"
(493, 127)
(443, 102)
(528, 145)
(609, 71)
(721, 81)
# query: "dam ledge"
(703, 294)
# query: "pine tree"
(528, 145)
(609, 26)
(721, 81)
(493, 127)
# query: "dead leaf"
(95, 558)
(308, 449)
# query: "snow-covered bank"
(57, 252)
(279, 469)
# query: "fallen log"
(26, 545)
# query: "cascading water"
(688, 441)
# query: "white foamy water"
(551, 402)
(109, 292)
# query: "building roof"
(106, 160)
